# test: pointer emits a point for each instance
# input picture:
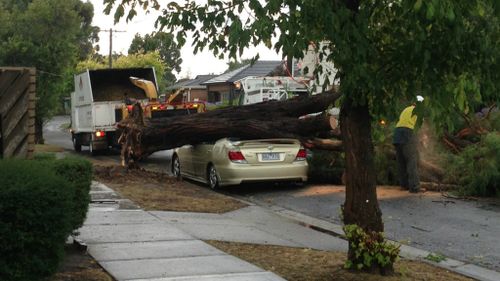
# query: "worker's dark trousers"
(407, 157)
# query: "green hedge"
(78, 172)
(39, 208)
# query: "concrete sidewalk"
(132, 244)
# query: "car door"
(186, 159)
(201, 156)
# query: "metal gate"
(17, 112)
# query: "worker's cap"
(420, 98)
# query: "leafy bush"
(477, 168)
(369, 251)
(34, 219)
(41, 156)
(78, 172)
(42, 202)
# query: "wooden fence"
(17, 112)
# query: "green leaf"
(450, 15)
(120, 11)
(430, 11)
(417, 5)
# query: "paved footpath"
(132, 244)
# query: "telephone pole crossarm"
(110, 59)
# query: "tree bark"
(275, 119)
(361, 205)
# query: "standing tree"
(164, 44)
(151, 59)
(235, 64)
(46, 35)
(89, 34)
(384, 50)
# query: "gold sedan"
(232, 162)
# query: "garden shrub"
(42, 156)
(369, 250)
(34, 219)
(477, 168)
(78, 172)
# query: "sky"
(201, 63)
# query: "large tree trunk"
(275, 119)
(361, 205)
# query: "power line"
(110, 59)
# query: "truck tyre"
(92, 151)
(76, 144)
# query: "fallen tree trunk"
(275, 119)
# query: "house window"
(214, 97)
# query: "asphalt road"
(54, 133)
(463, 230)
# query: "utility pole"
(110, 58)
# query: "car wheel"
(176, 167)
(213, 178)
(76, 144)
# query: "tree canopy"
(50, 35)
(385, 51)
(444, 49)
(164, 44)
(235, 64)
(151, 59)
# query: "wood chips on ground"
(298, 264)
(157, 191)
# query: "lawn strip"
(299, 264)
(158, 192)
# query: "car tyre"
(176, 167)
(76, 144)
(212, 177)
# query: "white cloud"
(201, 63)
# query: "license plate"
(271, 156)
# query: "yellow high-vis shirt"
(407, 119)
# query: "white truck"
(259, 89)
(98, 103)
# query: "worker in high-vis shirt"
(405, 143)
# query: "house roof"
(259, 68)
(195, 83)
